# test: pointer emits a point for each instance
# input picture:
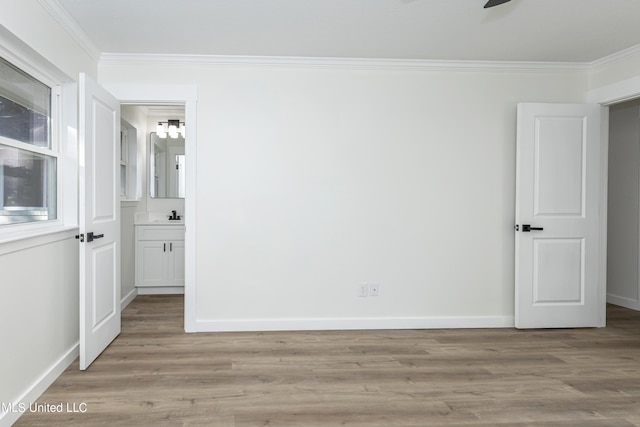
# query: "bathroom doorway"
(163, 98)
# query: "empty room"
(318, 213)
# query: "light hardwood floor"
(154, 374)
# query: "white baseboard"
(39, 386)
(128, 298)
(623, 302)
(353, 324)
(160, 290)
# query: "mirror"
(166, 167)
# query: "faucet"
(174, 216)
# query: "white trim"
(152, 93)
(28, 60)
(325, 324)
(618, 56)
(614, 93)
(60, 15)
(25, 239)
(160, 290)
(176, 94)
(623, 302)
(604, 197)
(608, 95)
(318, 62)
(40, 385)
(31, 148)
(126, 300)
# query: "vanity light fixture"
(171, 127)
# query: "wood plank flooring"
(154, 374)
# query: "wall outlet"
(363, 290)
(374, 289)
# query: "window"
(124, 151)
(129, 187)
(28, 161)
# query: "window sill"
(25, 239)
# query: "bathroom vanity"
(159, 255)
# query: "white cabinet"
(159, 256)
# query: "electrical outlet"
(374, 289)
(363, 290)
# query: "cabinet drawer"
(171, 232)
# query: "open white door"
(99, 124)
(557, 216)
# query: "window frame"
(129, 159)
(46, 73)
(124, 162)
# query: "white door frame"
(615, 93)
(142, 94)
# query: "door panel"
(557, 269)
(151, 263)
(99, 124)
(105, 302)
(103, 162)
(559, 150)
(557, 197)
(178, 262)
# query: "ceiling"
(521, 30)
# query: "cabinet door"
(151, 266)
(176, 263)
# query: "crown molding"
(17, 52)
(618, 56)
(354, 63)
(62, 17)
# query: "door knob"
(91, 237)
(527, 228)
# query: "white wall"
(39, 311)
(623, 206)
(313, 180)
(136, 117)
(128, 211)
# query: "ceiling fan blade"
(492, 3)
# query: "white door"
(557, 216)
(99, 156)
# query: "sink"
(156, 218)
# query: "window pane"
(123, 180)
(27, 186)
(25, 107)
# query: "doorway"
(145, 167)
(623, 206)
(186, 95)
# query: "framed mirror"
(166, 167)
